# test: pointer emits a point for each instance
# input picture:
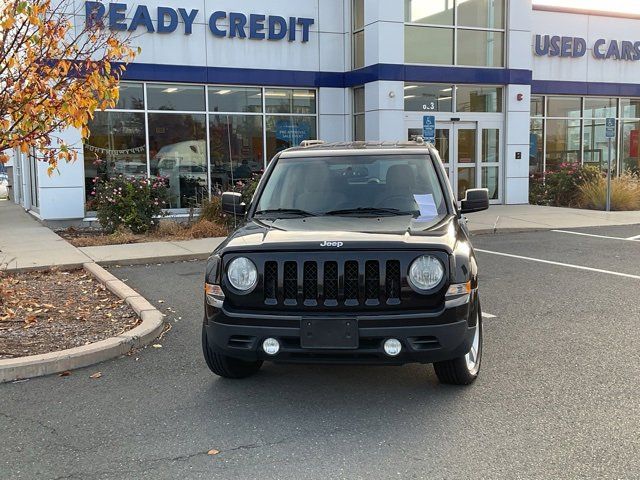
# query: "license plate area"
(330, 334)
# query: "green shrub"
(561, 187)
(129, 203)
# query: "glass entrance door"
(471, 153)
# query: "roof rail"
(311, 143)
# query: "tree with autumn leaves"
(54, 75)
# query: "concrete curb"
(159, 259)
(54, 362)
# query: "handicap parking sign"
(429, 128)
(611, 128)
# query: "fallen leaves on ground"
(41, 312)
(213, 451)
(96, 375)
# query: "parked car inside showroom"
(350, 253)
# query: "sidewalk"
(509, 218)
(26, 244)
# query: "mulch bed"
(43, 312)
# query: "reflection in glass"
(596, 145)
(600, 107)
(490, 145)
(536, 160)
(282, 100)
(358, 14)
(235, 99)
(428, 97)
(630, 107)
(537, 106)
(442, 144)
(131, 96)
(466, 180)
(285, 131)
(243, 135)
(481, 13)
(563, 142)
(185, 98)
(480, 48)
(563, 107)
(630, 158)
(435, 12)
(358, 49)
(116, 146)
(478, 99)
(466, 145)
(178, 149)
(490, 181)
(428, 45)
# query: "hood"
(345, 233)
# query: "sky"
(619, 6)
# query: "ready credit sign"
(429, 128)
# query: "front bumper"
(425, 337)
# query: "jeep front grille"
(331, 283)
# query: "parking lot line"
(487, 315)
(568, 265)
(630, 239)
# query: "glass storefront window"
(433, 12)
(630, 107)
(563, 142)
(178, 151)
(419, 42)
(428, 97)
(358, 114)
(116, 146)
(286, 131)
(630, 154)
(490, 145)
(600, 107)
(466, 180)
(236, 148)
(537, 106)
(478, 99)
(490, 180)
(536, 147)
(480, 13)
(282, 100)
(131, 96)
(234, 99)
(184, 98)
(596, 145)
(563, 107)
(480, 48)
(357, 39)
(466, 145)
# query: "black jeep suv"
(350, 253)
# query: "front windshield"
(354, 185)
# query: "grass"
(625, 193)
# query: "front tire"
(465, 369)
(225, 366)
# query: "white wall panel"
(519, 46)
(332, 128)
(517, 191)
(61, 203)
(332, 101)
(519, 15)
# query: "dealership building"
(220, 87)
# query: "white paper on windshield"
(427, 207)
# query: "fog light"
(392, 347)
(271, 346)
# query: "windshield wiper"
(286, 211)
(370, 211)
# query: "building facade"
(505, 88)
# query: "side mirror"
(232, 204)
(475, 200)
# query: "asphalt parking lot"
(557, 397)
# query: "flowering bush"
(130, 203)
(560, 187)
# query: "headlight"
(242, 274)
(425, 272)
